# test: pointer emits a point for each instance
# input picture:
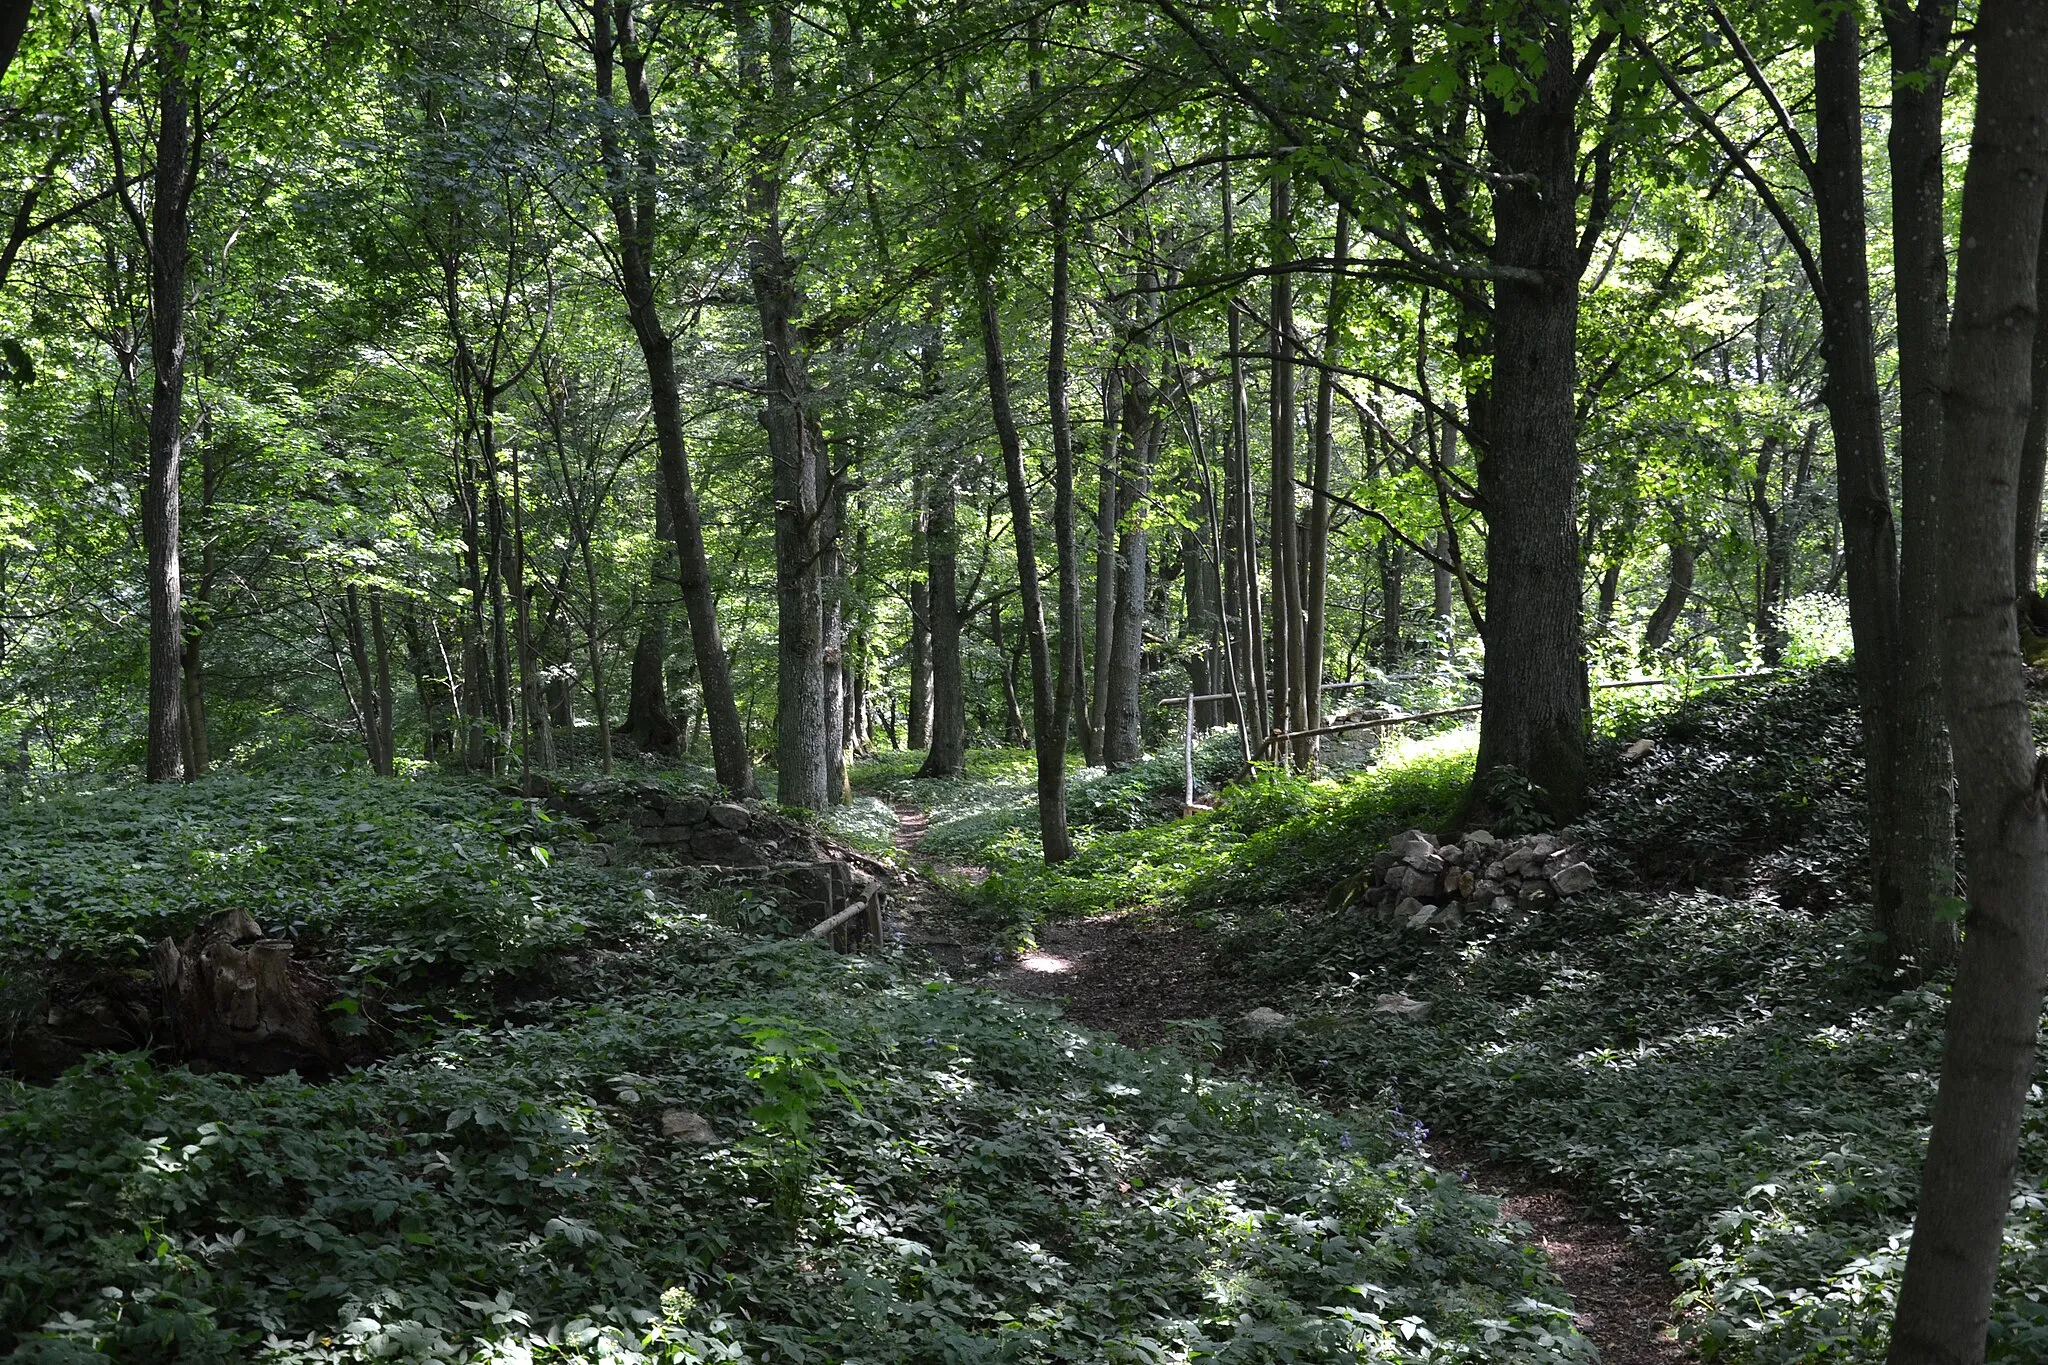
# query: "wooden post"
(1188, 762)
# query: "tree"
(1994, 1017)
(632, 186)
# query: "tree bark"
(380, 656)
(920, 721)
(1317, 575)
(1240, 509)
(800, 729)
(368, 695)
(1677, 591)
(1863, 493)
(2033, 466)
(833, 573)
(1051, 739)
(1094, 738)
(1995, 1012)
(168, 247)
(1283, 537)
(648, 718)
(631, 188)
(947, 755)
(1534, 704)
(1123, 740)
(1052, 751)
(1923, 834)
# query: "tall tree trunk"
(593, 642)
(2033, 466)
(947, 754)
(498, 565)
(1094, 738)
(649, 719)
(536, 736)
(1316, 576)
(380, 656)
(800, 731)
(168, 244)
(1392, 573)
(1051, 741)
(1855, 414)
(1283, 536)
(1240, 500)
(1122, 731)
(1534, 703)
(1770, 591)
(198, 746)
(473, 704)
(1995, 1012)
(1677, 591)
(1052, 746)
(367, 693)
(920, 720)
(431, 684)
(833, 572)
(1923, 817)
(631, 185)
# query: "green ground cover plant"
(656, 1138)
(1700, 1045)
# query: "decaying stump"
(237, 1001)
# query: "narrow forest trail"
(1133, 973)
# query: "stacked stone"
(1421, 883)
(692, 828)
(711, 830)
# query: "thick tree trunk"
(1534, 704)
(1923, 815)
(1123, 739)
(800, 730)
(1995, 1012)
(631, 184)
(2033, 465)
(168, 248)
(198, 742)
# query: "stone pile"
(1422, 883)
(685, 827)
(691, 840)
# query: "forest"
(1023, 680)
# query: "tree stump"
(237, 1001)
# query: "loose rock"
(1264, 1019)
(687, 1125)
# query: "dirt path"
(1621, 1295)
(1133, 973)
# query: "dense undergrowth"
(1699, 1045)
(900, 1169)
